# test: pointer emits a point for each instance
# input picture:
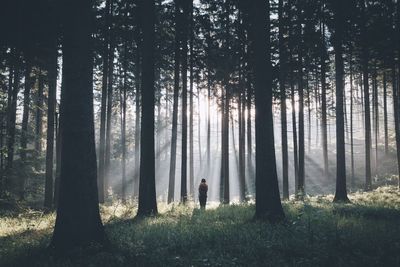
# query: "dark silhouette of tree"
(78, 220)
(339, 20)
(268, 203)
(147, 189)
(171, 184)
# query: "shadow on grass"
(315, 235)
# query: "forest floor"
(317, 232)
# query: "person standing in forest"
(203, 188)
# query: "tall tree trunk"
(365, 61)
(341, 190)
(174, 136)
(107, 154)
(58, 161)
(27, 100)
(241, 110)
(147, 186)
(123, 121)
(396, 89)
(78, 221)
(191, 61)
(12, 111)
(225, 147)
(184, 64)
(324, 132)
(103, 108)
(375, 113)
(51, 106)
(137, 115)
(300, 185)
(249, 160)
(9, 161)
(282, 89)
(293, 104)
(25, 119)
(268, 203)
(385, 114)
(39, 118)
(351, 119)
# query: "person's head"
(203, 180)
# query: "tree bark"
(78, 220)
(184, 64)
(12, 110)
(282, 89)
(341, 189)
(51, 105)
(324, 132)
(147, 187)
(103, 108)
(25, 120)
(268, 203)
(365, 61)
(174, 136)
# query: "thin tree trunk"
(174, 136)
(324, 122)
(51, 105)
(351, 119)
(12, 112)
(301, 188)
(123, 122)
(365, 60)
(184, 101)
(282, 89)
(385, 114)
(103, 108)
(137, 117)
(107, 154)
(25, 116)
(25, 120)
(191, 61)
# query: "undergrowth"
(317, 232)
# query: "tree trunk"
(51, 105)
(191, 61)
(282, 89)
(12, 112)
(365, 60)
(300, 185)
(39, 119)
(78, 220)
(324, 132)
(147, 187)
(174, 136)
(341, 190)
(375, 116)
(268, 203)
(103, 108)
(123, 122)
(107, 154)
(25, 116)
(137, 116)
(184, 56)
(351, 118)
(25, 120)
(293, 104)
(385, 114)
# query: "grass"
(365, 232)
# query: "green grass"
(365, 232)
